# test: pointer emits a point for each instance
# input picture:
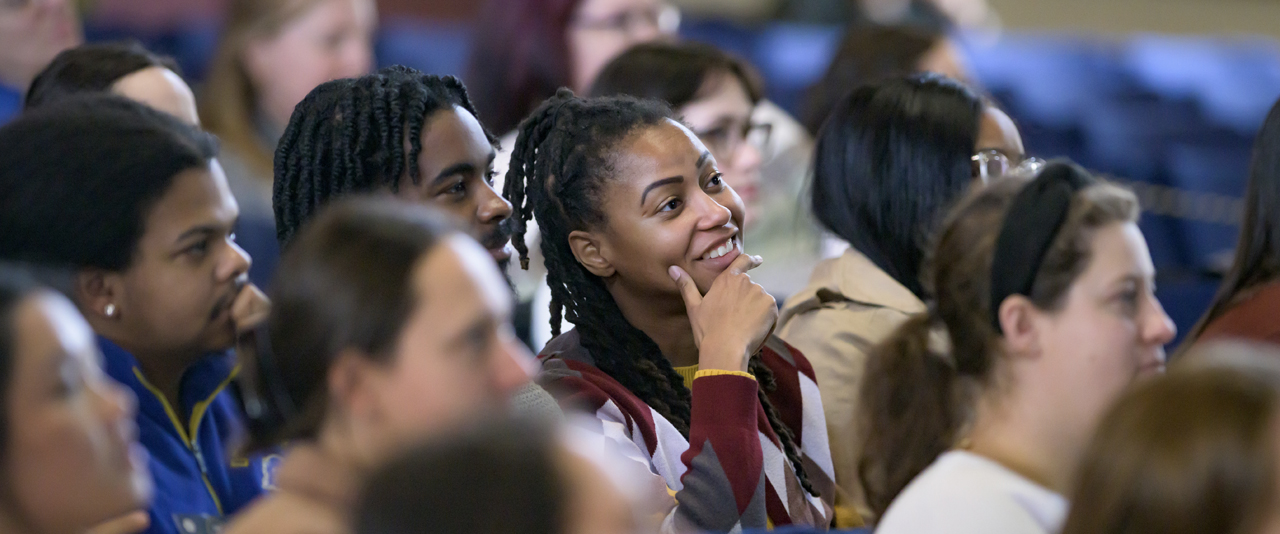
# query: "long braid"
(764, 376)
(557, 175)
(356, 135)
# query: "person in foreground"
(134, 202)
(1045, 313)
(389, 326)
(672, 350)
(1193, 452)
(70, 450)
(497, 479)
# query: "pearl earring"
(110, 310)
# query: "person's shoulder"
(962, 493)
(285, 513)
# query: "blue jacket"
(198, 481)
(10, 104)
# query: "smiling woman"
(643, 246)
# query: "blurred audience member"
(70, 443)
(389, 327)
(1193, 452)
(134, 201)
(919, 13)
(272, 53)
(32, 32)
(126, 69)
(494, 480)
(976, 413)
(1249, 297)
(892, 158)
(549, 44)
(871, 54)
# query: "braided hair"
(356, 135)
(558, 174)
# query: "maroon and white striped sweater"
(732, 473)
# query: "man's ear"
(1017, 318)
(591, 252)
(99, 293)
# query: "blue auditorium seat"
(1051, 78)
(1235, 80)
(191, 47)
(793, 57)
(431, 47)
(726, 35)
(1185, 299)
(1216, 177)
(10, 104)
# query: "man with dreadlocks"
(400, 131)
(672, 351)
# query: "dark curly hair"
(558, 174)
(356, 135)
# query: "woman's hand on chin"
(733, 319)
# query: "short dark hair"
(92, 68)
(78, 179)
(344, 284)
(450, 486)
(675, 73)
(356, 135)
(889, 162)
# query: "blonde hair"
(228, 102)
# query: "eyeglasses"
(724, 141)
(991, 164)
(664, 17)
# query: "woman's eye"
(1129, 301)
(671, 205)
(716, 180)
(491, 176)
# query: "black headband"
(1029, 227)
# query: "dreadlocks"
(356, 135)
(558, 175)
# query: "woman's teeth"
(726, 248)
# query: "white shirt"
(964, 493)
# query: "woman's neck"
(665, 322)
(1012, 435)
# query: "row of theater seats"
(1173, 115)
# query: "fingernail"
(673, 272)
